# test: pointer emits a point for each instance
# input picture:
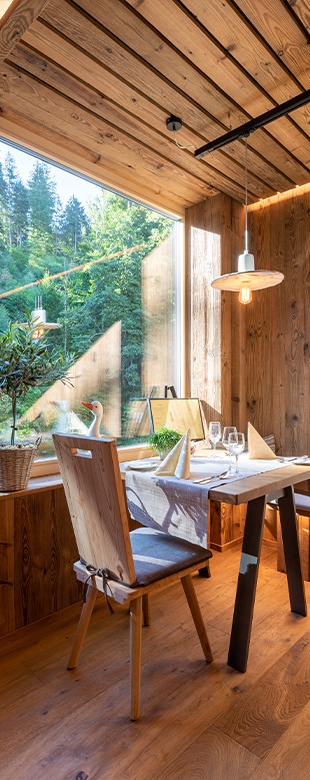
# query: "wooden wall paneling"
(275, 353)
(260, 332)
(203, 237)
(278, 341)
(45, 551)
(306, 294)
(7, 612)
(226, 308)
(238, 328)
(226, 525)
(303, 524)
(210, 240)
(293, 209)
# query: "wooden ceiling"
(91, 84)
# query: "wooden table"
(255, 491)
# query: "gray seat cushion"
(157, 554)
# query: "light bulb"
(38, 333)
(245, 294)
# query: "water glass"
(225, 441)
(214, 434)
(236, 443)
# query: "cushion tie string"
(105, 576)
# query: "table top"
(271, 483)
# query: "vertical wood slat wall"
(265, 346)
(37, 552)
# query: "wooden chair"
(125, 566)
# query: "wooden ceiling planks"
(18, 16)
(112, 53)
(96, 81)
(224, 68)
(153, 113)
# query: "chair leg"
(146, 609)
(135, 655)
(82, 626)
(192, 600)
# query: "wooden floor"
(198, 721)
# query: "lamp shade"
(254, 280)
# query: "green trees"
(74, 223)
(42, 196)
(41, 238)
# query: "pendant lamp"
(247, 278)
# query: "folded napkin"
(257, 446)
(177, 462)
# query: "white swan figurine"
(97, 410)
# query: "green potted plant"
(164, 439)
(25, 362)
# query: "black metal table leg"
(291, 552)
(246, 587)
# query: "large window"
(102, 267)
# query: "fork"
(210, 479)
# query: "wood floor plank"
(69, 725)
(268, 709)
(290, 757)
(213, 756)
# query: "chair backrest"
(92, 482)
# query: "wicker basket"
(15, 467)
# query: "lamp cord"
(190, 146)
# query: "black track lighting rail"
(254, 124)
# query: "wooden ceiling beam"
(18, 17)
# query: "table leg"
(246, 587)
(291, 552)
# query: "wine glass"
(214, 434)
(227, 431)
(236, 444)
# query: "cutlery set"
(210, 479)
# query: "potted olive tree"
(25, 362)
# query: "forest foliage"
(40, 237)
